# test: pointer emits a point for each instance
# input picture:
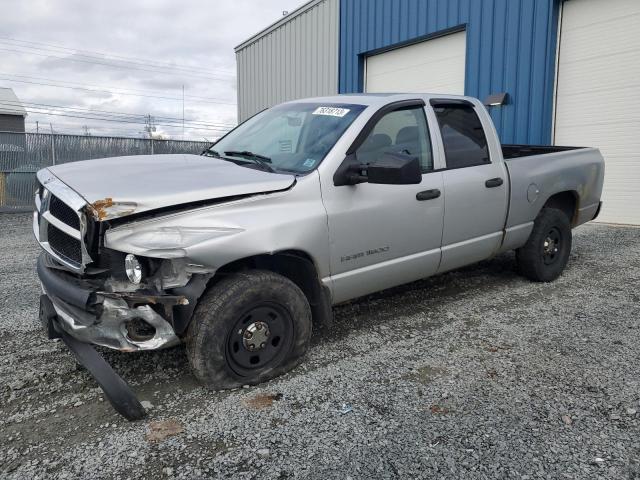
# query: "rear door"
(475, 186)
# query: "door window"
(402, 131)
(465, 143)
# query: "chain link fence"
(23, 154)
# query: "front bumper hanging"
(82, 315)
(101, 318)
(117, 391)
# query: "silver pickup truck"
(239, 251)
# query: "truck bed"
(552, 169)
(516, 151)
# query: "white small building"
(12, 112)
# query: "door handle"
(428, 195)
(493, 182)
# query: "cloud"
(196, 36)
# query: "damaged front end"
(88, 298)
(87, 284)
(126, 321)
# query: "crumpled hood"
(120, 186)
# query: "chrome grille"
(64, 245)
(59, 222)
(64, 212)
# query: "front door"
(386, 235)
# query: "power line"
(62, 125)
(107, 64)
(72, 129)
(30, 77)
(127, 121)
(128, 67)
(108, 91)
(130, 59)
(109, 113)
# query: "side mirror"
(394, 169)
(390, 169)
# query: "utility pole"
(182, 111)
(53, 145)
(37, 127)
(149, 126)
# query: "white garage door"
(432, 66)
(598, 95)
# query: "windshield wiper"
(259, 159)
(210, 153)
(248, 154)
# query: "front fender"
(216, 235)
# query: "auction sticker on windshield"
(332, 111)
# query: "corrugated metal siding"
(511, 48)
(296, 59)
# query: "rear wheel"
(546, 253)
(247, 329)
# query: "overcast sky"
(151, 47)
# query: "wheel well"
(566, 202)
(295, 265)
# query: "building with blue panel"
(563, 72)
(509, 47)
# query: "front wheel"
(546, 253)
(247, 329)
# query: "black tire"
(546, 253)
(264, 304)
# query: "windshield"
(292, 137)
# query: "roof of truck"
(372, 99)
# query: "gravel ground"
(477, 373)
